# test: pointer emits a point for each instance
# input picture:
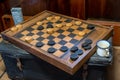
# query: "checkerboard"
(64, 36)
(65, 31)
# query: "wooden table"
(62, 62)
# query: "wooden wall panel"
(77, 8)
(112, 10)
(95, 8)
(32, 7)
(59, 6)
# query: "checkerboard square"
(35, 36)
(30, 34)
(29, 29)
(73, 41)
(62, 42)
(66, 33)
(25, 32)
(57, 46)
(45, 47)
(58, 53)
(45, 35)
(69, 45)
(40, 38)
(70, 30)
(60, 31)
(50, 37)
(61, 36)
(19, 35)
(67, 38)
(40, 33)
(57, 40)
(34, 42)
(72, 35)
(35, 31)
(80, 28)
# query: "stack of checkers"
(55, 34)
(87, 44)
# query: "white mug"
(103, 48)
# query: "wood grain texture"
(116, 30)
(77, 8)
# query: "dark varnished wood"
(77, 8)
(63, 63)
(116, 30)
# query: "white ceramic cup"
(103, 48)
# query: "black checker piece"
(68, 20)
(74, 57)
(73, 41)
(30, 34)
(61, 36)
(50, 23)
(40, 33)
(90, 26)
(40, 27)
(39, 44)
(70, 30)
(89, 41)
(51, 42)
(72, 35)
(80, 28)
(50, 37)
(73, 49)
(58, 22)
(40, 38)
(49, 26)
(88, 47)
(64, 48)
(51, 50)
(79, 52)
(85, 44)
(60, 31)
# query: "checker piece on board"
(39, 44)
(64, 48)
(28, 39)
(51, 50)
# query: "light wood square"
(35, 31)
(57, 40)
(34, 42)
(55, 34)
(34, 26)
(58, 53)
(45, 47)
(45, 41)
(35, 36)
(25, 32)
(66, 33)
(45, 35)
(75, 32)
(57, 46)
(69, 45)
(78, 38)
(84, 25)
(74, 27)
(67, 39)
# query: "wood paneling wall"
(74, 8)
(107, 9)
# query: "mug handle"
(107, 54)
